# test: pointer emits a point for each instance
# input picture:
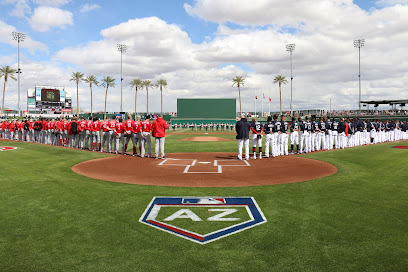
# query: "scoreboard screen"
(50, 95)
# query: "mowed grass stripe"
(52, 219)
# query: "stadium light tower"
(290, 48)
(19, 37)
(121, 48)
(358, 44)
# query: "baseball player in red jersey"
(65, 134)
(159, 133)
(81, 132)
(120, 132)
(88, 133)
(3, 130)
(112, 135)
(105, 134)
(146, 139)
(12, 129)
(137, 135)
(129, 123)
(59, 131)
(31, 131)
(96, 134)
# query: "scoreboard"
(48, 99)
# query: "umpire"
(242, 129)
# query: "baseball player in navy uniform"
(294, 135)
(284, 137)
(315, 132)
(268, 130)
(242, 128)
(329, 138)
(257, 129)
(322, 134)
(341, 130)
(334, 134)
(276, 136)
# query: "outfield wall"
(206, 108)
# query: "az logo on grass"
(202, 219)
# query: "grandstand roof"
(385, 102)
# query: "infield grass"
(52, 219)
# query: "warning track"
(204, 170)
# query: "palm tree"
(107, 82)
(281, 80)
(77, 77)
(91, 80)
(136, 83)
(160, 84)
(6, 71)
(239, 81)
(147, 84)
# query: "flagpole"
(263, 95)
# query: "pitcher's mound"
(204, 170)
(206, 139)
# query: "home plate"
(204, 162)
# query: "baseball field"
(54, 219)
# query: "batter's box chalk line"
(173, 162)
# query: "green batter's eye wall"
(222, 108)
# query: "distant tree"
(77, 77)
(136, 83)
(147, 84)
(91, 80)
(160, 84)
(6, 72)
(281, 80)
(107, 82)
(239, 81)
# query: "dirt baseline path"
(204, 170)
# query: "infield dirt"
(204, 170)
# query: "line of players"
(323, 134)
(90, 134)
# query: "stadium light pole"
(358, 44)
(290, 48)
(19, 37)
(121, 48)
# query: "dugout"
(205, 111)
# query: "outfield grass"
(52, 219)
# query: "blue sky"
(199, 45)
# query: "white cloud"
(45, 18)
(52, 3)
(6, 37)
(21, 8)
(384, 3)
(325, 63)
(89, 7)
(271, 12)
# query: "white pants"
(342, 140)
(146, 139)
(159, 142)
(284, 148)
(294, 138)
(334, 139)
(268, 143)
(241, 142)
(256, 140)
(322, 141)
